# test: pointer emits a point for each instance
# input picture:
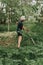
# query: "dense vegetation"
(29, 53)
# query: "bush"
(4, 28)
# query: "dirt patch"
(7, 38)
(5, 34)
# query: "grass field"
(29, 53)
(4, 27)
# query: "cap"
(22, 18)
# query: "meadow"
(28, 53)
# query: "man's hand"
(24, 28)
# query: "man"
(20, 27)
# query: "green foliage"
(27, 54)
(4, 27)
(18, 8)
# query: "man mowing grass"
(20, 27)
